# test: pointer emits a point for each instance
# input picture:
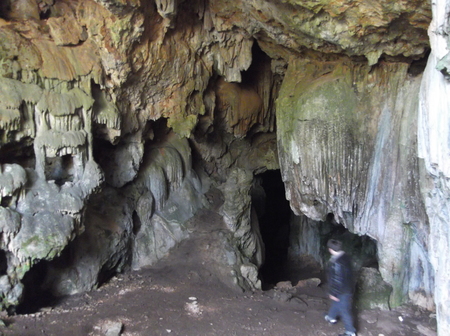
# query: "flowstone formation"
(117, 116)
(42, 207)
(433, 150)
(346, 148)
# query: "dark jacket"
(340, 275)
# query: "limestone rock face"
(242, 222)
(134, 226)
(433, 150)
(116, 116)
(347, 149)
(371, 291)
(351, 27)
(243, 104)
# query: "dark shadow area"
(274, 217)
(34, 297)
(259, 70)
(363, 249)
(44, 10)
(417, 67)
(136, 223)
(102, 150)
(260, 77)
(5, 8)
(6, 201)
(59, 169)
(21, 153)
(3, 263)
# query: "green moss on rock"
(319, 97)
(371, 291)
(183, 126)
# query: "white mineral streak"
(166, 8)
(434, 114)
(434, 148)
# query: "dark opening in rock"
(6, 201)
(34, 297)
(295, 246)
(59, 169)
(5, 9)
(136, 223)
(18, 152)
(44, 10)
(417, 67)
(363, 249)
(259, 69)
(274, 214)
(3, 263)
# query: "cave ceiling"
(157, 59)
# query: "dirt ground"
(180, 296)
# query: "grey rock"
(111, 328)
(371, 290)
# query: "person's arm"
(334, 298)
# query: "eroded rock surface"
(117, 116)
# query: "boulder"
(371, 290)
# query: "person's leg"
(333, 312)
(346, 312)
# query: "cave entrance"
(274, 215)
(295, 246)
(308, 252)
(363, 249)
(33, 296)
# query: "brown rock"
(65, 30)
(313, 282)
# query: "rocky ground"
(180, 296)
(183, 300)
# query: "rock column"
(434, 148)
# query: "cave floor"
(179, 296)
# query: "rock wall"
(348, 146)
(134, 226)
(148, 103)
(433, 133)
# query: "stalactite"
(168, 10)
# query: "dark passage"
(34, 297)
(274, 214)
(3, 263)
(275, 217)
(363, 249)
